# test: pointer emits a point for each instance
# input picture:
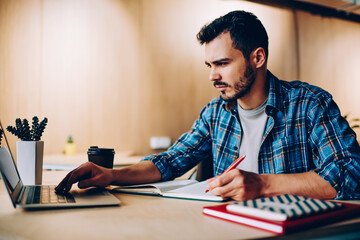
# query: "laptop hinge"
(21, 194)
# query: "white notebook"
(185, 189)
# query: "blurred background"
(115, 73)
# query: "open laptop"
(44, 196)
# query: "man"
(292, 133)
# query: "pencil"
(232, 166)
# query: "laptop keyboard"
(47, 195)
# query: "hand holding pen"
(231, 167)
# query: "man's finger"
(99, 180)
(86, 183)
(60, 187)
(222, 179)
(230, 189)
(83, 171)
(225, 184)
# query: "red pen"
(232, 166)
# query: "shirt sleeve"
(190, 149)
(335, 149)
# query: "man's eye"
(222, 63)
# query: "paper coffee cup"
(101, 156)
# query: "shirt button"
(235, 148)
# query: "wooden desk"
(138, 217)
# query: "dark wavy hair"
(246, 31)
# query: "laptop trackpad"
(94, 196)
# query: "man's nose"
(214, 75)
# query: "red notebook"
(280, 227)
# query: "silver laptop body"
(44, 196)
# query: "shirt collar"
(275, 99)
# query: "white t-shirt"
(253, 124)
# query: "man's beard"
(242, 87)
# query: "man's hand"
(238, 185)
(241, 185)
(87, 175)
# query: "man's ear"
(258, 57)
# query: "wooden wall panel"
(90, 71)
(174, 78)
(114, 73)
(20, 61)
(329, 57)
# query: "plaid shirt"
(304, 132)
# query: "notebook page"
(194, 191)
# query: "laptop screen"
(7, 166)
(8, 169)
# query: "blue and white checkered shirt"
(304, 132)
